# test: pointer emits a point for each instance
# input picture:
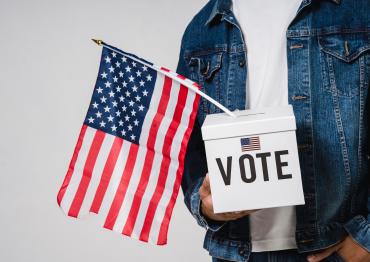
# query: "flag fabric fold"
(128, 162)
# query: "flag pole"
(169, 74)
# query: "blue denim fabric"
(282, 256)
(328, 52)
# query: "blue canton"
(121, 96)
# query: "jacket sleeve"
(195, 166)
(359, 226)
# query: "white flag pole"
(188, 83)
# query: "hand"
(348, 250)
(207, 205)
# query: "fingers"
(323, 254)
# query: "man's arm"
(195, 166)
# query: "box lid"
(249, 122)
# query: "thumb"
(323, 254)
(205, 189)
(205, 184)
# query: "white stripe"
(114, 182)
(78, 170)
(158, 157)
(137, 171)
(176, 146)
(96, 174)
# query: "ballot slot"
(253, 159)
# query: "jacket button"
(241, 63)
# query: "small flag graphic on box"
(250, 143)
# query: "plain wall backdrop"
(48, 68)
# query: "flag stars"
(127, 93)
(102, 124)
(120, 123)
(128, 69)
(145, 93)
(115, 79)
(124, 59)
(98, 114)
(127, 118)
(99, 89)
(114, 54)
(145, 68)
(134, 88)
(118, 113)
(141, 83)
(124, 108)
(95, 105)
(121, 98)
(136, 122)
(120, 74)
(133, 112)
(118, 64)
(149, 78)
(107, 59)
(114, 103)
(141, 108)
(107, 109)
(118, 89)
(111, 69)
(124, 84)
(131, 78)
(129, 127)
(137, 98)
(138, 73)
(104, 75)
(132, 137)
(103, 99)
(114, 128)
(91, 120)
(111, 93)
(110, 118)
(123, 132)
(131, 103)
(133, 63)
(107, 84)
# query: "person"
(314, 55)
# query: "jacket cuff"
(359, 229)
(195, 203)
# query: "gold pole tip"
(97, 41)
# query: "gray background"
(48, 67)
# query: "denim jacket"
(328, 52)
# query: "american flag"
(128, 162)
(250, 143)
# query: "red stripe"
(162, 236)
(122, 188)
(68, 176)
(106, 174)
(165, 69)
(181, 77)
(87, 172)
(144, 178)
(166, 150)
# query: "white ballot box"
(253, 159)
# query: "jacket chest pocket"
(206, 70)
(344, 60)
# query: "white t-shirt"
(264, 24)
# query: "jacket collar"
(222, 7)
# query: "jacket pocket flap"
(346, 46)
(206, 64)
